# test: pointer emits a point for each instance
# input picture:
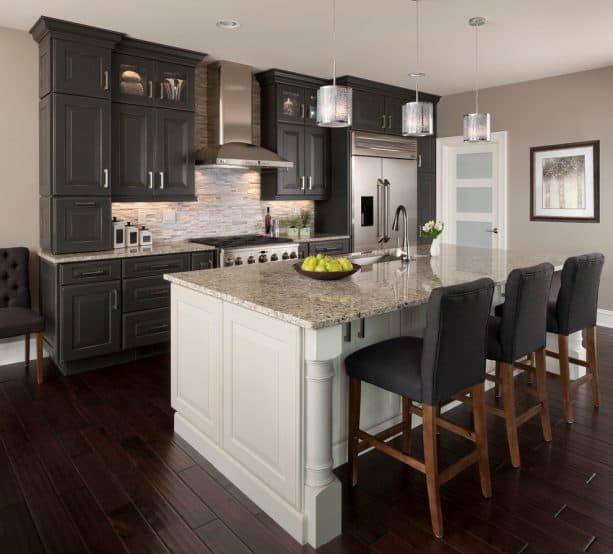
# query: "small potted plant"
(433, 229)
(293, 226)
(305, 218)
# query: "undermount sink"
(369, 259)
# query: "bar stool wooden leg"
(565, 377)
(478, 397)
(355, 389)
(508, 394)
(406, 425)
(592, 358)
(497, 385)
(541, 389)
(27, 350)
(529, 377)
(432, 474)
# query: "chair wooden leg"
(406, 425)
(565, 377)
(592, 357)
(27, 350)
(40, 375)
(432, 473)
(497, 385)
(355, 389)
(529, 377)
(541, 389)
(508, 394)
(478, 397)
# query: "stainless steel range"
(238, 250)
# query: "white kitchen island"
(258, 381)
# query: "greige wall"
(569, 108)
(19, 142)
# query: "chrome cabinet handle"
(150, 179)
(494, 230)
(106, 79)
(150, 89)
(161, 91)
(302, 182)
(379, 209)
(310, 182)
(362, 328)
(347, 334)
(105, 184)
(301, 111)
(84, 204)
(115, 299)
(161, 180)
(383, 126)
(389, 121)
(419, 160)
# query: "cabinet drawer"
(145, 293)
(155, 265)
(329, 247)
(80, 224)
(203, 260)
(90, 272)
(144, 328)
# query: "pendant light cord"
(417, 49)
(334, 42)
(476, 69)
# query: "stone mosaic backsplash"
(228, 204)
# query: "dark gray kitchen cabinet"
(174, 153)
(316, 152)
(393, 113)
(329, 247)
(176, 86)
(91, 320)
(290, 145)
(368, 111)
(133, 151)
(426, 154)
(203, 260)
(146, 328)
(81, 146)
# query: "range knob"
(293, 256)
(285, 256)
(274, 258)
(229, 262)
(250, 260)
(263, 257)
(238, 261)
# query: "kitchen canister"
(119, 233)
(144, 236)
(131, 235)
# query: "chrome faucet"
(401, 210)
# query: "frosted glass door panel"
(474, 200)
(474, 233)
(474, 165)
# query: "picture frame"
(565, 182)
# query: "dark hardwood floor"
(90, 464)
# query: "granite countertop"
(277, 290)
(156, 249)
(315, 237)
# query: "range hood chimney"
(229, 126)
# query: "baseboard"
(12, 350)
(605, 318)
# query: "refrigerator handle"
(386, 188)
(380, 206)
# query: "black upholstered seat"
(16, 316)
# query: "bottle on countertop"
(267, 221)
(131, 235)
(144, 236)
(119, 233)
(274, 231)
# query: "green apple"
(345, 264)
(333, 266)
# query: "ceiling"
(523, 40)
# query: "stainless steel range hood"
(229, 124)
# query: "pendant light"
(477, 126)
(417, 117)
(334, 102)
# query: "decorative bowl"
(326, 275)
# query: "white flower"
(438, 226)
(428, 226)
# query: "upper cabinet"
(289, 127)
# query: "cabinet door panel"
(82, 144)
(144, 328)
(316, 160)
(133, 150)
(290, 103)
(133, 79)
(368, 111)
(290, 145)
(175, 84)
(174, 153)
(91, 318)
(426, 154)
(81, 224)
(310, 106)
(426, 201)
(203, 260)
(80, 68)
(393, 114)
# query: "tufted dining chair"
(16, 315)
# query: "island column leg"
(322, 490)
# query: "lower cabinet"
(329, 247)
(147, 327)
(91, 320)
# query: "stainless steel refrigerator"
(383, 176)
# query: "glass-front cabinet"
(310, 101)
(174, 84)
(296, 104)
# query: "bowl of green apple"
(326, 268)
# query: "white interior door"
(471, 191)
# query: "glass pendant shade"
(477, 127)
(334, 105)
(417, 119)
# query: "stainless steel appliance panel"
(402, 177)
(365, 172)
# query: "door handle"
(105, 184)
(379, 209)
(150, 179)
(161, 91)
(493, 230)
(84, 204)
(302, 182)
(389, 121)
(386, 193)
(115, 299)
(161, 180)
(301, 111)
(150, 89)
(419, 160)
(384, 119)
(310, 182)
(106, 79)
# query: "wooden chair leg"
(592, 357)
(355, 389)
(432, 474)
(497, 385)
(40, 372)
(27, 350)
(529, 377)
(565, 377)
(508, 394)
(478, 397)
(406, 425)
(541, 389)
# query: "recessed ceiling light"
(228, 24)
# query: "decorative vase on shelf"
(292, 232)
(305, 232)
(435, 248)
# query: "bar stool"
(517, 331)
(575, 310)
(449, 359)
